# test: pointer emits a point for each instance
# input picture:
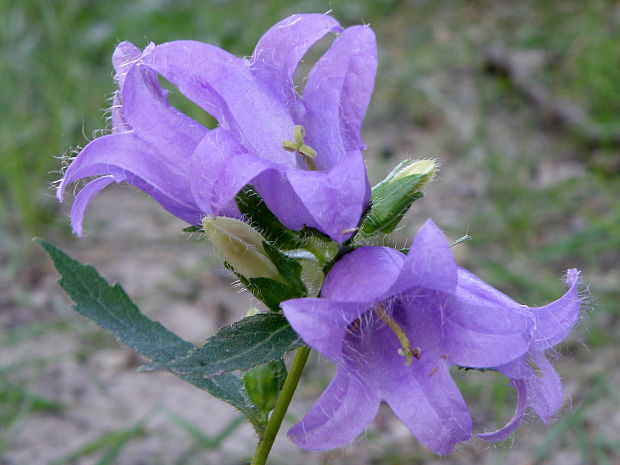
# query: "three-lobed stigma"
(298, 145)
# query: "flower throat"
(405, 345)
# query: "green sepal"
(193, 228)
(110, 308)
(390, 200)
(269, 291)
(272, 292)
(289, 268)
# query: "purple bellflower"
(393, 324)
(302, 153)
(150, 145)
(535, 380)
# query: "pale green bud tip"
(241, 246)
(253, 311)
(423, 167)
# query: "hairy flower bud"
(393, 196)
(241, 246)
(426, 168)
(263, 384)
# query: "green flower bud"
(393, 196)
(426, 168)
(241, 246)
(263, 384)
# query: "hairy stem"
(284, 399)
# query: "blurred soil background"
(519, 101)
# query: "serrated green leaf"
(111, 308)
(253, 341)
(255, 210)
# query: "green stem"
(284, 399)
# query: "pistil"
(405, 346)
(298, 145)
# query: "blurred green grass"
(57, 82)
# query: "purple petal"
(214, 182)
(323, 323)
(282, 200)
(337, 94)
(336, 199)
(517, 418)
(224, 86)
(282, 47)
(422, 394)
(148, 113)
(475, 291)
(129, 158)
(116, 113)
(431, 407)
(82, 200)
(517, 368)
(342, 412)
(429, 263)
(555, 321)
(544, 388)
(125, 54)
(363, 275)
(485, 336)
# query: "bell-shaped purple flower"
(535, 380)
(393, 325)
(151, 144)
(302, 153)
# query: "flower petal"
(336, 199)
(431, 407)
(421, 393)
(475, 291)
(129, 158)
(277, 192)
(116, 115)
(485, 336)
(364, 275)
(82, 200)
(555, 321)
(544, 388)
(224, 86)
(282, 47)
(516, 419)
(220, 169)
(429, 263)
(337, 94)
(125, 54)
(342, 412)
(147, 111)
(323, 323)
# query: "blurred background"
(520, 103)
